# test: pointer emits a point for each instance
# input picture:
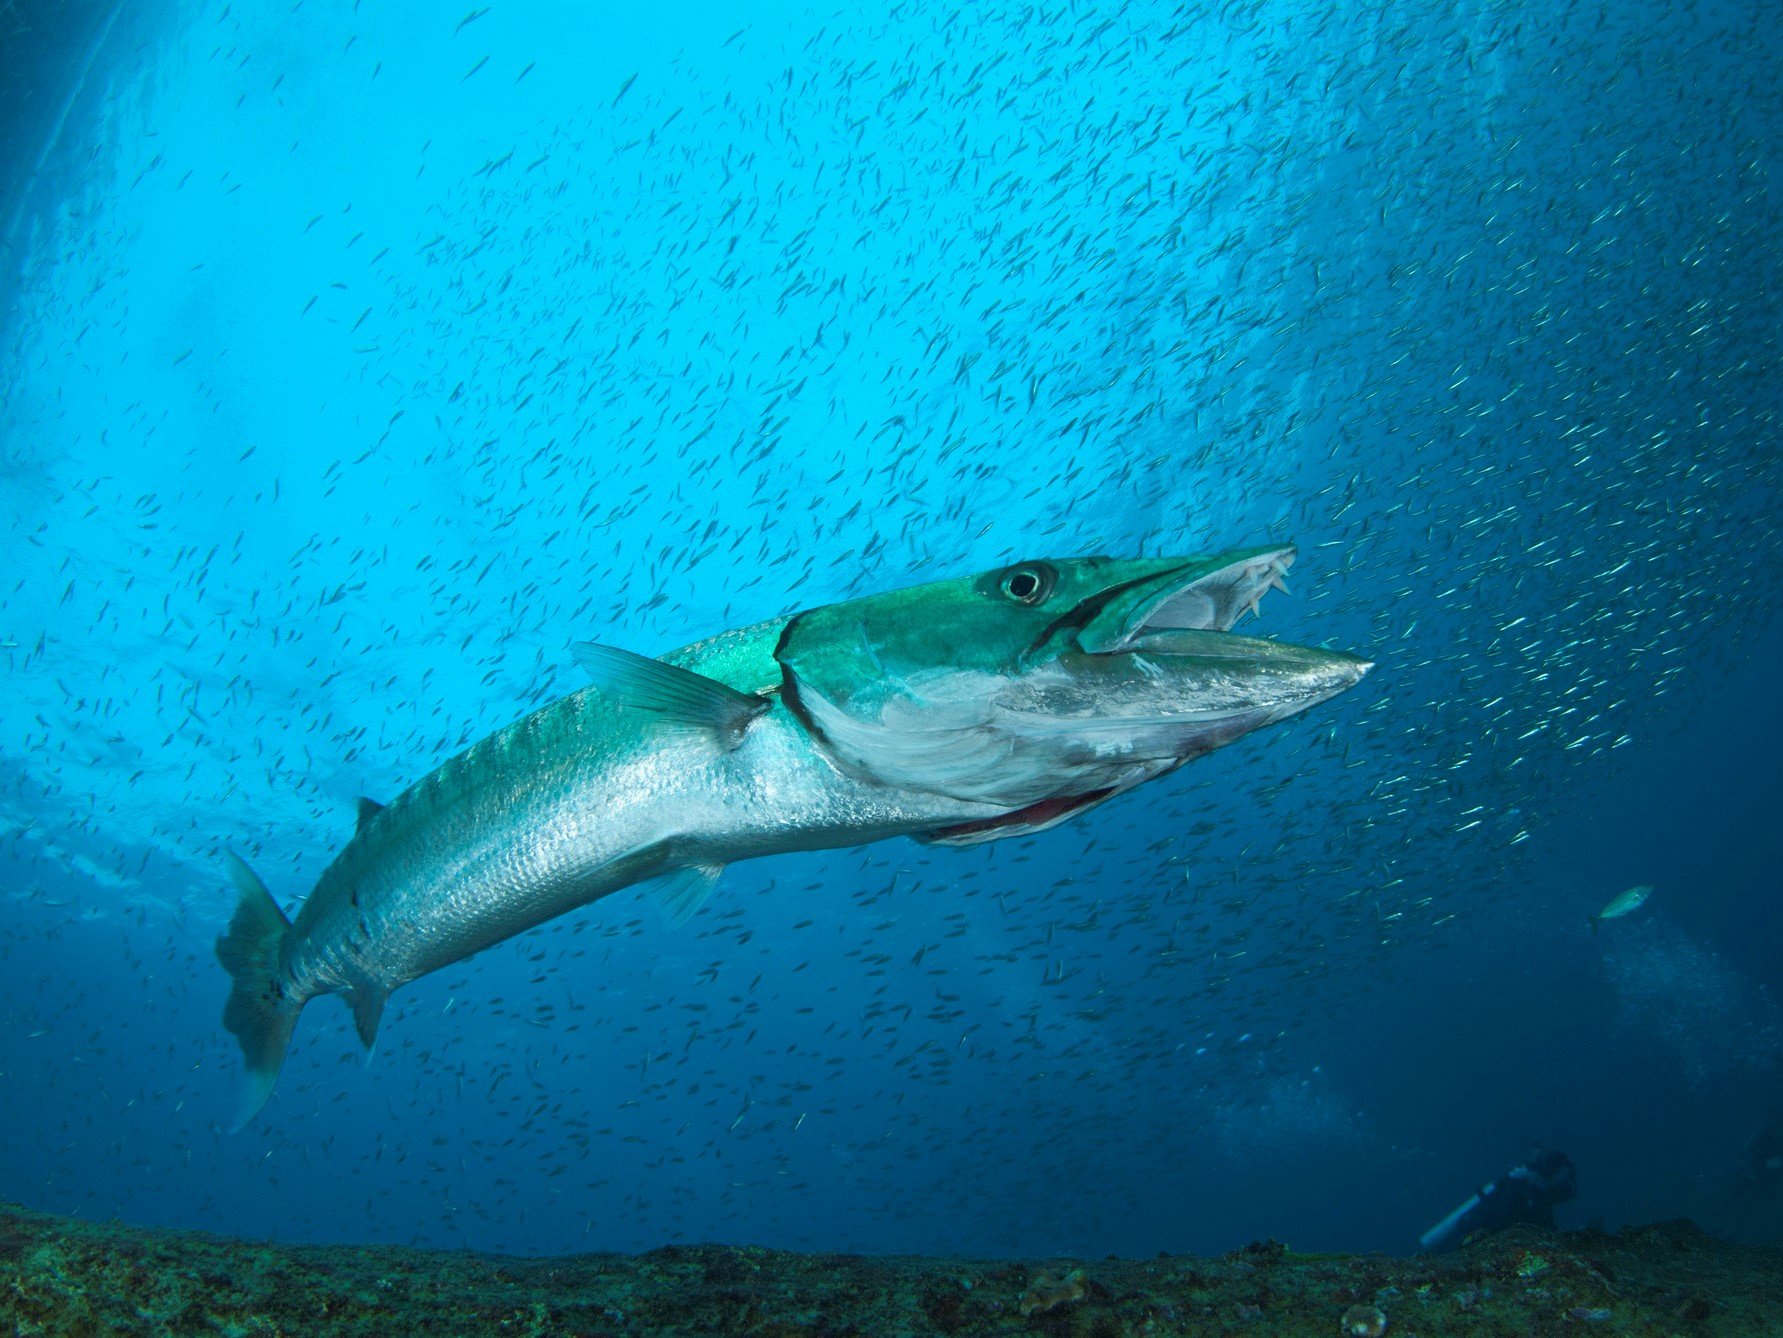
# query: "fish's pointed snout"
(1321, 674)
(1223, 671)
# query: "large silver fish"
(957, 712)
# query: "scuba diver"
(1526, 1193)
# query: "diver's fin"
(258, 1011)
(367, 998)
(685, 890)
(680, 695)
(368, 809)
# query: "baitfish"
(957, 712)
(1623, 903)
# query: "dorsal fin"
(368, 809)
(680, 696)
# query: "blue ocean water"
(359, 360)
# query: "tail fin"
(258, 1011)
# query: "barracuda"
(957, 712)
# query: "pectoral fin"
(679, 696)
(685, 890)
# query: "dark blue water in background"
(354, 366)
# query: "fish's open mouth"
(1209, 595)
(1216, 601)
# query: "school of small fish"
(359, 364)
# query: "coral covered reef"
(59, 1276)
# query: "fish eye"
(1027, 584)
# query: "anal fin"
(367, 998)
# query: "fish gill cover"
(359, 361)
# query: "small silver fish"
(1625, 903)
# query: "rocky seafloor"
(61, 1276)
